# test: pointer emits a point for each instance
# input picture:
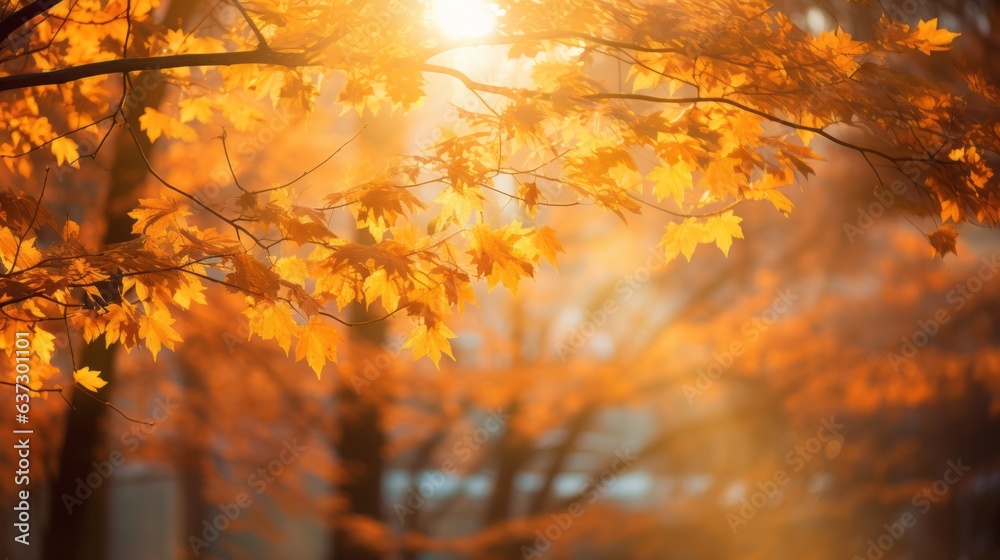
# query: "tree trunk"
(358, 439)
(81, 532)
(358, 445)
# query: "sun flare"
(460, 19)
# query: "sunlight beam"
(461, 19)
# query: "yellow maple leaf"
(546, 244)
(430, 342)
(93, 325)
(155, 330)
(683, 238)
(154, 123)
(780, 201)
(671, 180)
(456, 206)
(12, 245)
(154, 215)
(292, 269)
(175, 39)
(196, 108)
(499, 255)
(242, 116)
(120, 325)
(317, 344)
(378, 285)
(929, 37)
(273, 321)
(43, 344)
(158, 124)
(66, 151)
(722, 178)
(190, 291)
(89, 379)
(722, 229)
(8, 246)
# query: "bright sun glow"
(459, 19)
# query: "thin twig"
(118, 410)
(31, 224)
(317, 166)
(42, 390)
(261, 42)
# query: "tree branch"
(118, 66)
(556, 35)
(513, 92)
(21, 17)
(261, 41)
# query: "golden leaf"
(683, 238)
(89, 379)
(317, 344)
(430, 342)
(155, 330)
(722, 229)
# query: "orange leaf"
(943, 239)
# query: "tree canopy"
(690, 109)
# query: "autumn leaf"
(722, 229)
(496, 257)
(456, 205)
(683, 238)
(529, 194)
(930, 38)
(252, 276)
(671, 181)
(547, 244)
(156, 124)
(273, 321)
(23, 249)
(190, 291)
(156, 332)
(89, 379)
(430, 342)
(378, 285)
(944, 240)
(926, 37)
(292, 269)
(43, 344)
(66, 151)
(154, 215)
(777, 198)
(119, 325)
(780, 201)
(317, 344)
(196, 108)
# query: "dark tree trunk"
(360, 451)
(358, 444)
(512, 451)
(192, 457)
(77, 521)
(357, 436)
(81, 532)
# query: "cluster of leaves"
(720, 105)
